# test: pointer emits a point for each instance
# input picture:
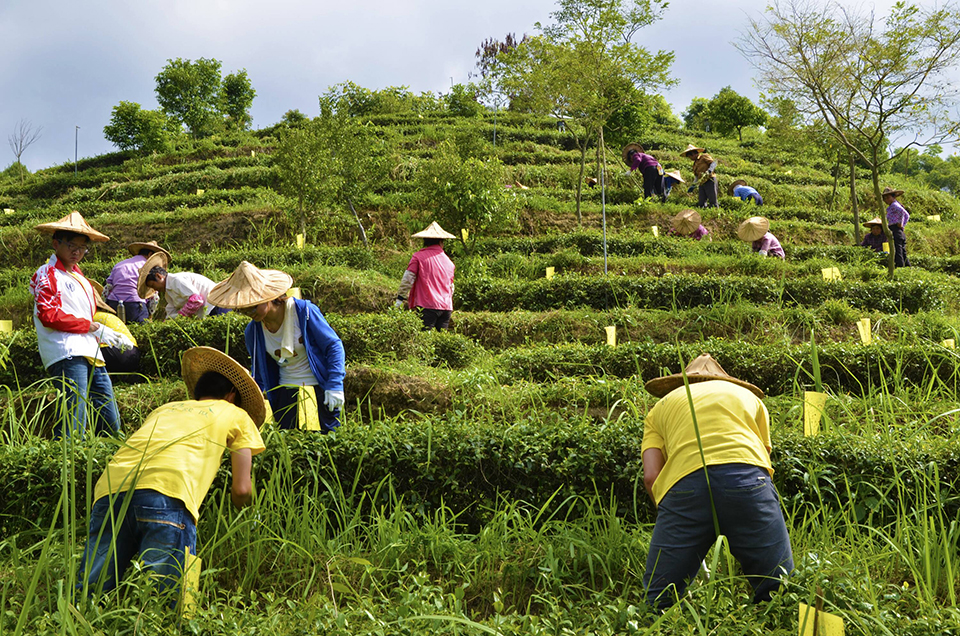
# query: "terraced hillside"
(472, 446)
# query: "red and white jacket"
(62, 313)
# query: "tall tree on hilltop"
(23, 136)
(867, 80)
(729, 111)
(134, 128)
(190, 93)
(574, 70)
(236, 96)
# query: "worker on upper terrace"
(688, 223)
(875, 238)
(636, 159)
(704, 173)
(427, 285)
(755, 231)
(740, 189)
(897, 218)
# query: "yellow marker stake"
(199, 192)
(8, 210)
(886, 246)
(294, 292)
(949, 343)
(934, 217)
(550, 272)
(6, 326)
(866, 334)
(253, 153)
(300, 241)
(307, 417)
(465, 233)
(813, 403)
(827, 273)
(836, 273)
(655, 230)
(190, 583)
(830, 625)
(611, 335)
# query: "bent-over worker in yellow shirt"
(740, 501)
(155, 483)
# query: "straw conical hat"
(891, 191)
(134, 248)
(691, 148)
(675, 174)
(701, 369)
(199, 360)
(874, 221)
(248, 286)
(753, 228)
(74, 222)
(434, 231)
(628, 149)
(98, 296)
(686, 222)
(157, 259)
(738, 182)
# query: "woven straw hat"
(156, 259)
(630, 148)
(691, 148)
(753, 228)
(890, 191)
(686, 222)
(98, 296)
(434, 231)
(199, 360)
(701, 369)
(675, 174)
(74, 222)
(874, 221)
(738, 182)
(248, 286)
(134, 248)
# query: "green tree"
(236, 95)
(576, 68)
(293, 117)
(133, 128)
(729, 111)
(866, 79)
(695, 117)
(189, 92)
(298, 157)
(466, 193)
(462, 100)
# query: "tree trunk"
(583, 163)
(836, 181)
(853, 196)
(363, 233)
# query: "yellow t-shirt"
(178, 450)
(734, 428)
(108, 319)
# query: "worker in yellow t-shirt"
(739, 501)
(157, 480)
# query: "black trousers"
(899, 246)
(653, 183)
(435, 318)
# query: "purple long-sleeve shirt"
(897, 214)
(124, 277)
(874, 241)
(642, 161)
(769, 243)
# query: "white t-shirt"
(294, 371)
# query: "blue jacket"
(324, 352)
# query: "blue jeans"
(155, 526)
(84, 383)
(748, 511)
(283, 401)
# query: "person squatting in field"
(186, 292)
(119, 359)
(427, 285)
(875, 238)
(688, 223)
(67, 336)
(741, 190)
(728, 489)
(121, 284)
(755, 231)
(294, 353)
(147, 501)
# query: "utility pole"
(76, 144)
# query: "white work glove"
(398, 304)
(333, 400)
(112, 338)
(106, 290)
(152, 303)
(762, 252)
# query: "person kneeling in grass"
(756, 231)
(710, 475)
(148, 499)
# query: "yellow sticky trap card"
(831, 273)
(300, 241)
(829, 624)
(886, 246)
(294, 292)
(190, 583)
(8, 210)
(6, 326)
(934, 217)
(465, 233)
(199, 192)
(655, 230)
(253, 153)
(866, 334)
(949, 343)
(611, 335)
(813, 403)
(308, 419)
(550, 272)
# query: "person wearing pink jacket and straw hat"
(427, 285)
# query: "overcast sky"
(66, 63)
